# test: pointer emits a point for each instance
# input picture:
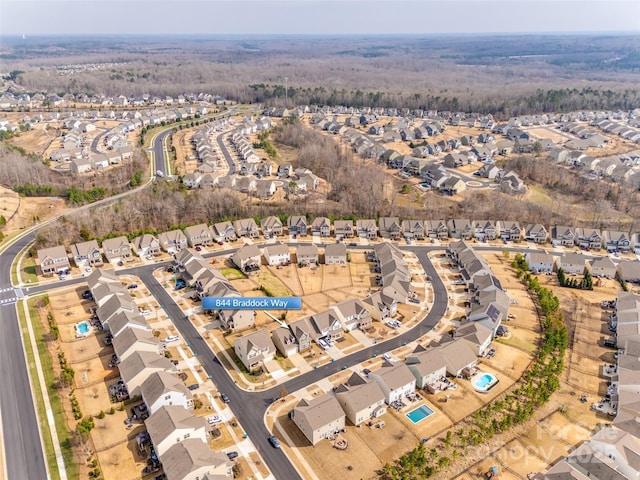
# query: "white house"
(396, 381)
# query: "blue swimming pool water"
(83, 328)
(419, 413)
(484, 381)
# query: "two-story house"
(389, 227)
(117, 250)
(361, 399)
(137, 367)
(413, 229)
(297, 225)
(254, 349)
(303, 332)
(271, 227)
(536, 233)
(53, 260)
(396, 381)
(428, 366)
(615, 241)
(277, 254)
(172, 424)
(562, 235)
(509, 231)
(484, 230)
(172, 241)
(460, 228)
(590, 238)
(436, 229)
(354, 314)
(164, 389)
(285, 341)
(327, 324)
(247, 258)
(321, 226)
(147, 244)
(86, 254)
(319, 418)
(307, 254)
(246, 227)
(198, 235)
(335, 254)
(223, 232)
(367, 228)
(343, 229)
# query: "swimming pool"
(419, 413)
(485, 382)
(82, 328)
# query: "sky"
(241, 17)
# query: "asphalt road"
(161, 164)
(250, 408)
(23, 447)
(225, 153)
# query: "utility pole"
(286, 91)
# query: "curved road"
(23, 446)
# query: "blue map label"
(251, 303)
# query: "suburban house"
(303, 332)
(172, 241)
(603, 267)
(562, 236)
(478, 335)
(335, 254)
(198, 235)
(247, 258)
(236, 319)
(277, 254)
(484, 230)
(367, 229)
(254, 349)
(361, 399)
(247, 227)
(86, 254)
(629, 271)
(536, 233)
(297, 225)
(223, 232)
(321, 226)
(389, 227)
(284, 341)
(326, 324)
(427, 365)
(125, 319)
(147, 244)
(436, 229)
(307, 254)
(113, 305)
(460, 229)
(621, 446)
(413, 229)
(271, 227)
(117, 249)
(588, 238)
(396, 381)
(137, 367)
(131, 340)
(53, 260)
(572, 263)
(380, 306)
(615, 241)
(318, 418)
(164, 389)
(459, 356)
(172, 424)
(343, 228)
(354, 314)
(192, 459)
(540, 262)
(509, 231)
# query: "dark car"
(273, 440)
(132, 285)
(87, 294)
(225, 398)
(232, 455)
(193, 386)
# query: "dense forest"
(503, 75)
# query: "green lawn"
(232, 274)
(64, 436)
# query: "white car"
(145, 312)
(323, 344)
(159, 173)
(388, 357)
(213, 419)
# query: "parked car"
(322, 343)
(194, 386)
(225, 398)
(414, 300)
(232, 455)
(132, 285)
(213, 419)
(273, 440)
